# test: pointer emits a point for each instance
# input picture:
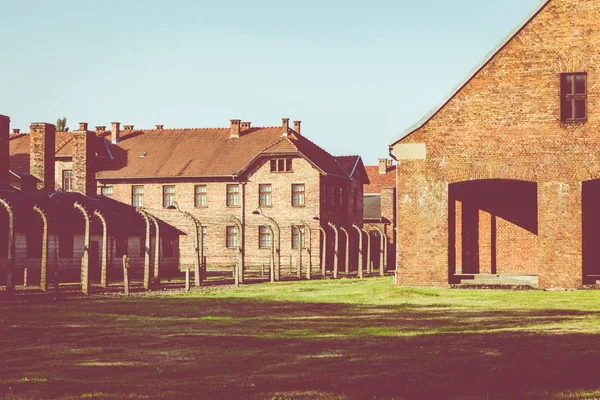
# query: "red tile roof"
(378, 181)
(206, 152)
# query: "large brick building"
(503, 177)
(221, 177)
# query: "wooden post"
(85, 260)
(125, 275)
(187, 279)
(360, 251)
(147, 249)
(347, 258)
(103, 279)
(10, 286)
(324, 253)
(44, 261)
(336, 249)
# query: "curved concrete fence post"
(44, 260)
(369, 270)
(10, 267)
(308, 250)
(239, 272)
(85, 260)
(324, 252)
(336, 249)
(347, 258)
(383, 246)
(146, 248)
(360, 251)
(156, 278)
(103, 280)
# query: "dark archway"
(590, 214)
(502, 202)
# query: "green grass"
(330, 339)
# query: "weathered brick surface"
(84, 173)
(505, 124)
(41, 149)
(216, 216)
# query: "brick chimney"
(4, 150)
(42, 141)
(297, 126)
(128, 127)
(383, 165)
(234, 130)
(115, 132)
(16, 131)
(160, 127)
(100, 129)
(245, 126)
(84, 172)
(285, 126)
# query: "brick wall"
(505, 123)
(4, 150)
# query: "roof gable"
(474, 72)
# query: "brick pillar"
(4, 150)
(422, 258)
(485, 242)
(42, 140)
(560, 235)
(84, 173)
(388, 211)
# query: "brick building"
(503, 177)
(48, 228)
(379, 215)
(221, 176)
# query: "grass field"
(330, 339)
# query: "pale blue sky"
(357, 73)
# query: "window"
(168, 247)
(264, 237)
(574, 97)
(298, 195)
(281, 165)
(233, 195)
(168, 196)
(297, 236)
(67, 180)
(107, 191)
(137, 196)
(264, 195)
(200, 196)
(203, 236)
(121, 246)
(65, 246)
(34, 244)
(232, 236)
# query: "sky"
(356, 73)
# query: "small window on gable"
(573, 97)
(281, 165)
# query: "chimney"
(128, 127)
(160, 127)
(383, 165)
(4, 150)
(100, 129)
(285, 126)
(234, 130)
(115, 132)
(245, 126)
(83, 126)
(84, 173)
(297, 126)
(16, 131)
(42, 140)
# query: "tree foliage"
(61, 125)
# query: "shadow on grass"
(223, 348)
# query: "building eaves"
(489, 57)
